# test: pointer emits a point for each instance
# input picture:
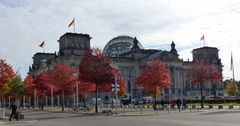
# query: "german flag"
(42, 44)
(72, 23)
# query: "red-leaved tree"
(42, 86)
(28, 81)
(84, 88)
(63, 78)
(154, 77)
(6, 72)
(95, 68)
(29, 88)
(203, 73)
(6, 76)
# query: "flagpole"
(232, 68)
(44, 48)
(234, 87)
(74, 26)
(204, 42)
(203, 39)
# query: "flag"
(202, 38)
(72, 23)
(231, 62)
(42, 44)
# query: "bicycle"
(84, 108)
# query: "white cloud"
(24, 24)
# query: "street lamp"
(141, 99)
(114, 66)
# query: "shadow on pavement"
(219, 112)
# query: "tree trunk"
(96, 105)
(201, 88)
(63, 100)
(1, 101)
(42, 103)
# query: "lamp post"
(116, 93)
(114, 66)
(18, 102)
(52, 97)
(35, 98)
(77, 94)
(141, 99)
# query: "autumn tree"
(63, 78)
(6, 76)
(17, 88)
(95, 68)
(153, 78)
(230, 88)
(201, 73)
(29, 87)
(84, 88)
(42, 86)
(28, 81)
(122, 88)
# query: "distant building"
(131, 58)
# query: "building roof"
(120, 45)
(70, 34)
(205, 47)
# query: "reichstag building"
(131, 58)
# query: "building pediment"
(164, 56)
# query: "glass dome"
(119, 45)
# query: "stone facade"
(131, 58)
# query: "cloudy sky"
(24, 24)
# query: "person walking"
(162, 104)
(13, 107)
(179, 104)
(184, 104)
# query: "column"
(77, 94)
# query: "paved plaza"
(211, 117)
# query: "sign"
(115, 87)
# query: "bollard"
(2, 113)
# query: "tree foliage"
(95, 68)
(42, 84)
(203, 73)
(6, 76)
(230, 88)
(153, 78)
(122, 88)
(17, 87)
(28, 81)
(63, 78)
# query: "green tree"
(230, 88)
(17, 87)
